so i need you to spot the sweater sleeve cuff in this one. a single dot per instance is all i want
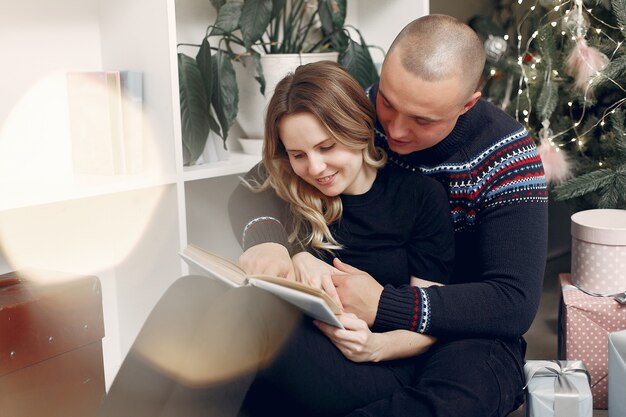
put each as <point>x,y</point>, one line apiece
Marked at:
<point>264,230</point>
<point>402,308</point>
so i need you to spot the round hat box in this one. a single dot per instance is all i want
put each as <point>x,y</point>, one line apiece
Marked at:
<point>599,250</point>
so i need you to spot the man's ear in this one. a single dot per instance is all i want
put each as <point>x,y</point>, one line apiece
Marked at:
<point>472,100</point>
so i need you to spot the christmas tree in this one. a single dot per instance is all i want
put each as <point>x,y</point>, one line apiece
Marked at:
<point>559,67</point>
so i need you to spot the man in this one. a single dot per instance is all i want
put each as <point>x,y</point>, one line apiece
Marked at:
<point>431,118</point>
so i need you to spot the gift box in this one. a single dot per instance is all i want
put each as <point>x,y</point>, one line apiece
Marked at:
<point>599,250</point>
<point>557,389</point>
<point>617,374</point>
<point>585,324</point>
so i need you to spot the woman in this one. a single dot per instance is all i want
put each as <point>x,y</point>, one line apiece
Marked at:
<point>319,157</point>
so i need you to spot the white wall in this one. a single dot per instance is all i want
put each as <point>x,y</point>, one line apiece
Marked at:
<point>381,21</point>
<point>462,10</point>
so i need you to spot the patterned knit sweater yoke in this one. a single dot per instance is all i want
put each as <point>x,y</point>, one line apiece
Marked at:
<point>487,160</point>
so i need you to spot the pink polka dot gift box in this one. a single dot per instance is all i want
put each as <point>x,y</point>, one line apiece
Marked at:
<point>585,322</point>
<point>599,250</point>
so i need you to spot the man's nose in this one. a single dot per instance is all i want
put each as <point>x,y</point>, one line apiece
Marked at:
<point>398,126</point>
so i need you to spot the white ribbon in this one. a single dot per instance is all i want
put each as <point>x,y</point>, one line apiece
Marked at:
<point>565,393</point>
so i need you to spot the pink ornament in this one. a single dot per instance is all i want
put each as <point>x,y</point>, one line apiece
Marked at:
<point>584,62</point>
<point>555,162</point>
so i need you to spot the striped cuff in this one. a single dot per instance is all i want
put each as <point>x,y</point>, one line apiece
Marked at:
<point>264,230</point>
<point>402,308</point>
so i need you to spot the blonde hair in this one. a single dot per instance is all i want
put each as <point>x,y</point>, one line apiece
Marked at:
<point>437,47</point>
<point>326,91</point>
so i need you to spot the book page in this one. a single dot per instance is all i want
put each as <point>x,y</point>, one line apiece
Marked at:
<point>311,305</point>
<point>303,288</point>
<point>214,265</point>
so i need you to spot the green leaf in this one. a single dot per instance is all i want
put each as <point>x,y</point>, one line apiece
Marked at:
<point>204,61</point>
<point>227,18</point>
<point>255,17</point>
<point>278,8</point>
<point>225,97</point>
<point>332,14</point>
<point>193,109</point>
<point>260,77</point>
<point>218,4</point>
<point>357,60</point>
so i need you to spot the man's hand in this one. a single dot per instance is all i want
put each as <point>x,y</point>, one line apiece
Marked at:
<point>316,273</point>
<point>358,291</point>
<point>267,259</point>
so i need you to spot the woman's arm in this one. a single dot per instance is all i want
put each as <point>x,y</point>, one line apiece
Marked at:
<point>359,344</point>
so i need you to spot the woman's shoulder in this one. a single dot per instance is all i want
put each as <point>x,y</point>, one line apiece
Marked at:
<point>407,180</point>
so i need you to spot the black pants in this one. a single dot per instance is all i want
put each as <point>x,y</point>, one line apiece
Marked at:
<point>208,350</point>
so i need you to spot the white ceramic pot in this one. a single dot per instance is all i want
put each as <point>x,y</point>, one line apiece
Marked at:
<point>252,104</point>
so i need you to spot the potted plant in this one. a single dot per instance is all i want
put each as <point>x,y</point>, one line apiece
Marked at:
<point>249,29</point>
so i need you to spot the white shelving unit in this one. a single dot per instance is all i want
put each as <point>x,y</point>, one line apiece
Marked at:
<point>126,229</point>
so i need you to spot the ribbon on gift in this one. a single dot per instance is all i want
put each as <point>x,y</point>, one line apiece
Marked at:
<point>565,393</point>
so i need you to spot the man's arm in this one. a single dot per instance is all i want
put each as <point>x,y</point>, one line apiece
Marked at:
<point>504,298</point>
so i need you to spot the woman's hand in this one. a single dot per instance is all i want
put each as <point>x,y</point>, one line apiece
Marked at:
<point>267,259</point>
<point>356,341</point>
<point>313,271</point>
<point>359,344</point>
<point>423,283</point>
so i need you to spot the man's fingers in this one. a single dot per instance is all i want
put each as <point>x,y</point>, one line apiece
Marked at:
<point>329,287</point>
<point>344,267</point>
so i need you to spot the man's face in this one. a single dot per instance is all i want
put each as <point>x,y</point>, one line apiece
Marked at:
<point>417,114</point>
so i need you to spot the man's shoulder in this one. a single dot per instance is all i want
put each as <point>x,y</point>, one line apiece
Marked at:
<point>494,122</point>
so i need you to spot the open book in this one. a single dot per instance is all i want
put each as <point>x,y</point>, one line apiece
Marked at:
<point>312,301</point>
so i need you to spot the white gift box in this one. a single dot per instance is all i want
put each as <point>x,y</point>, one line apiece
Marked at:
<point>617,374</point>
<point>557,389</point>
<point>599,251</point>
